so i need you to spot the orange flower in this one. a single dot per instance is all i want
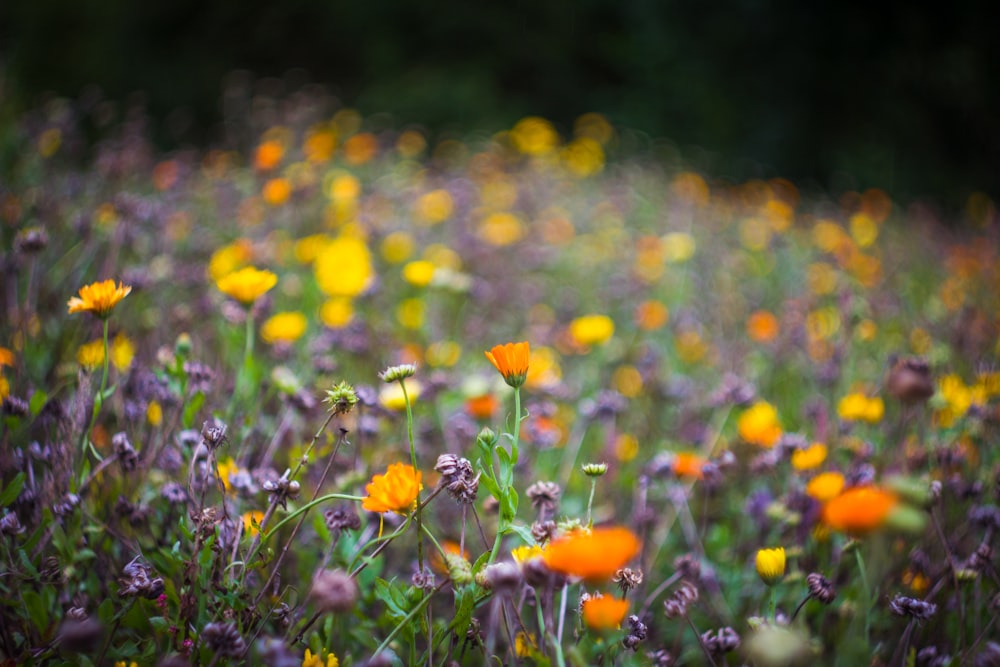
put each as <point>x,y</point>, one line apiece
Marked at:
<point>688,464</point>
<point>395,491</point>
<point>762,326</point>
<point>825,486</point>
<point>481,407</point>
<point>512,361</point>
<point>603,612</point>
<point>592,555</point>
<point>99,298</point>
<point>859,510</point>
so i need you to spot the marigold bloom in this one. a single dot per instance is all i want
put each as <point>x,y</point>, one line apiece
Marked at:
<point>6,357</point>
<point>285,327</point>
<point>762,326</point>
<point>604,612</point>
<point>688,464</point>
<point>810,457</point>
<point>592,555</point>
<point>526,552</point>
<point>122,352</point>
<point>771,565</point>
<point>825,486</point>
<point>310,659</point>
<point>276,191</point>
<point>251,521</point>
<point>395,491</point>
<point>247,284</point>
<point>98,298</point>
<point>859,510</point>
<point>481,407</point>
<point>592,329</point>
<point>511,360</point>
<point>759,425</point>
<point>91,355</point>
<point>859,407</point>
<point>344,267</point>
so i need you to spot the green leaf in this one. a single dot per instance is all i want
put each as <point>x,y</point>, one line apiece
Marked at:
<point>192,408</point>
<point>465,601</point>
<point>523,532</point>
<point>35,606</point>
<point>12,490</point>
<point>37,402</point>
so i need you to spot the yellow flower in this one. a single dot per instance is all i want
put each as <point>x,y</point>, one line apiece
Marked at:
<point>604,612</point>
<point>810,457</point>
<point>391,396</point>
<point>247,284</point>
<point>512,361</point>
<point>592,329</point>
<point>857,406</point>
<point>6,357</point>
<point>759,425</point>
<point>122,663</point>
<point>337,312</point>
<point>526,552</point>
<point>771,565</point>
<point>228,258</point>
<point>434,207</point>
<point>313,660</point>
<point>99,298</point>
<point>395,491</point>
<point>592,555</point>
<point>534,136</point>
<point>154,413</point>
<point>825,486</point>
<point>122,352</point>
<point>343,267</point>
<point>543,368</point>
<point>91,355</point>
<point>286,327</point>
<point>419,273</point>
<point>501,229</point>
<point>4,388</point>
<point>524,644</point>
<point>251,521</point>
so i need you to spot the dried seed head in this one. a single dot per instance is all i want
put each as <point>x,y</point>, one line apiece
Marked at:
<point>543,531</point>
<point>10,525</point>
<point>918,609</point>
<point>674,608</point>
<point>503,577</point>
<point>458,478</point>
<point>544,497</point>
<point>688,566</point>
<point>31,240</point>
<point>637,632</point>
<point>820,588</point>
<point>124,452</point>
<point>627,579</point>
<point>213,434</point>
<point>224,639</point>
<point>910,380</point>
<point>723,640</point>
<point>341,518</point>
<point>140,582</point>
<point>334,590</point>
<point>174,493</point>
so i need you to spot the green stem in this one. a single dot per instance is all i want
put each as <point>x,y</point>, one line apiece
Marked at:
<point>98,402</point>
<point>305,508</point>
<point>867,591</point>
<point>413,461</point>
<point>590,503</point>
<point>517,427</point>
<point>772,604</point>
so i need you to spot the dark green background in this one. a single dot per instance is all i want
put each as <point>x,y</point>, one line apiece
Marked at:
<point>898,95</point>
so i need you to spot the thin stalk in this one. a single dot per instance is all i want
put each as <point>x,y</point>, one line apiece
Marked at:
<point>86,444</point>
<point>413,461</point>
<point>867,592</point>
<point>409,617</point>
<point>590,503</point>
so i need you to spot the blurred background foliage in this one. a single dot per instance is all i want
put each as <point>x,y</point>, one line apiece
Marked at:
<point>837,95</point>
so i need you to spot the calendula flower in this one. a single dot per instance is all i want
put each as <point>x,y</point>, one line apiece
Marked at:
<point>91,355</point>
<point>859,510</point>
<point>859,407</point>
<point>592,329</point>
<point>6,357</point>
<point>395,491</point>
<point>397,373</point>
<point>759,425</point>
<point>592,555</point>
<point>825,486</point>
<point>771,565</point>
<point>98,298</point>
<point>688,464</point>
<point>247,284</point>
<point>251,521</point>
<point>511,360</point>
<point>285,327</point>
<point>604,612</point>
<point>122,352</point>
<point>526,552</point>
<point>810,457</point>
<point>311,659</point>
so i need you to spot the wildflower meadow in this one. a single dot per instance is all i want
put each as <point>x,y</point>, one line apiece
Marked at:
<point>352,394</point>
